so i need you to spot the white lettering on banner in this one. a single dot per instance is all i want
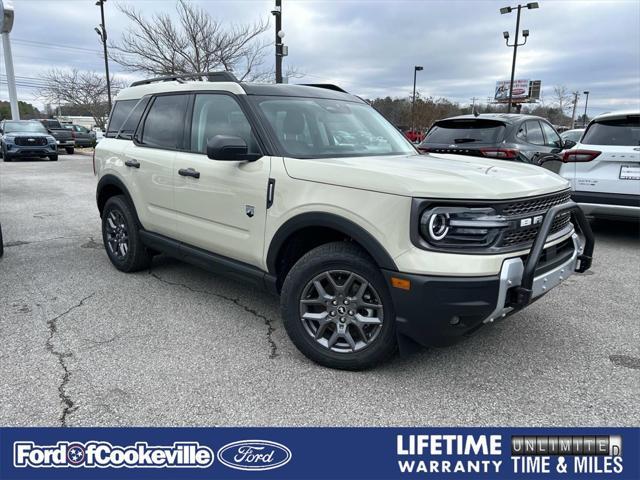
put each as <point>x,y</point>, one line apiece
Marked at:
<point>449,445</point>
<point>449,466</point>
<point>103,454</point>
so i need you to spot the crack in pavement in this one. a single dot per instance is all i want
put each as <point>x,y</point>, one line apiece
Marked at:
<point>18,243</point>
<point>267,321</point>
<point>65,399</point>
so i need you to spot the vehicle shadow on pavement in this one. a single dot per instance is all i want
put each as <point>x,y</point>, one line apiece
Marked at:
<point>612,229</point>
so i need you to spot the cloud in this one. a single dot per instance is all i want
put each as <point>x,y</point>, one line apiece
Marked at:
<point>370,47</point>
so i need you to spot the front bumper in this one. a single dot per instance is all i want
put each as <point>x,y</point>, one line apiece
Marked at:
<point>440,310</point>
<point>34,151</point>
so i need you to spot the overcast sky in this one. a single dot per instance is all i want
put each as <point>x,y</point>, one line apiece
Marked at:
<point>370,47</point>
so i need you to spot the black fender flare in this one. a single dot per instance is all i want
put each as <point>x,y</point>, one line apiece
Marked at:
<point>112,180</point>
<point>335,222</point>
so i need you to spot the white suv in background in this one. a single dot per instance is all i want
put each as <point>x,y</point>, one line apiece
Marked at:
<point>309,191</point>
<point>604,167</point>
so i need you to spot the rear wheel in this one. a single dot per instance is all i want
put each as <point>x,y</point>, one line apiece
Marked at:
<point>121,238</point>
<point>337,309</point>
<point>70,150</point>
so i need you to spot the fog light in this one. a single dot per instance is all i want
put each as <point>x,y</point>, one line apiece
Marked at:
<point>454,320</point>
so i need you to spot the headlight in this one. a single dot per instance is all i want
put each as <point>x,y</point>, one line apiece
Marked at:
<point>51,140</point>
<point>461,226</point>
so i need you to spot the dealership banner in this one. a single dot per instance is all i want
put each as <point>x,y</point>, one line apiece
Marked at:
<point>320,453</point>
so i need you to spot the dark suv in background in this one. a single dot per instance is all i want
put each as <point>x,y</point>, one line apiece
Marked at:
<point>524,138</point>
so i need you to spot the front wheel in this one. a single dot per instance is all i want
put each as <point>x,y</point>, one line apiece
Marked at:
<point>121,237</point>
<point>53,158</point>
<point>70,150</point>
<point>337,309</point>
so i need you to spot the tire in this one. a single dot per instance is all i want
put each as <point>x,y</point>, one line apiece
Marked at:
<point>70,150</point>
<point>5,155</point>
<point>119,226</point>
<point>341,261</point>
<point>53,158</point>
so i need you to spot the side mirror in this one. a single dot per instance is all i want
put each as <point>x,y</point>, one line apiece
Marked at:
<point>226,147</point>
<point>568,144</point>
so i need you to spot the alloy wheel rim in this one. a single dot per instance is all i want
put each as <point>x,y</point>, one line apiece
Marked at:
<point>117,234</point>
<point>341,311</point>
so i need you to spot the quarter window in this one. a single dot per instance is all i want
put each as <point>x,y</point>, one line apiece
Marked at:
<point>119,114</point>
<point>215,114</point>
<point>164,124</point>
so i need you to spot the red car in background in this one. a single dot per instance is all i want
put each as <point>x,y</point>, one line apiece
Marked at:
<point>414,136</point>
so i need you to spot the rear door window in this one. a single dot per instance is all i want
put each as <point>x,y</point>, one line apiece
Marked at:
<point>463,131</point>
<point>622,132</point>
<point>534,132</point>
<point>164,124</point>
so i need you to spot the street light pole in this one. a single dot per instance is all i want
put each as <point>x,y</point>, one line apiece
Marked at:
<point>277,12</point>
<point>586,102</point>
<point>416,69</point>
<point>513,63</point>
<point>103,37</point>
<point>525,34</point>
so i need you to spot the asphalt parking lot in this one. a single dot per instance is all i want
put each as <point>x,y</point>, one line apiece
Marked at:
<point>83,344</point>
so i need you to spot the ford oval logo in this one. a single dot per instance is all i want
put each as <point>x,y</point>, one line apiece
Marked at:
<point>254,455</point>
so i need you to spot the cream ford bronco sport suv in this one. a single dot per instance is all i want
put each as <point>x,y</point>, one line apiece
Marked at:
<point>308,191</point>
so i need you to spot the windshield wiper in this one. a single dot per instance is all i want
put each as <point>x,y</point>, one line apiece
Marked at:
<point>465,140</point>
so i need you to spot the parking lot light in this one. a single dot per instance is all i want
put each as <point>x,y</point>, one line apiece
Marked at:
<point>525,34</point>
<point>102,32</point>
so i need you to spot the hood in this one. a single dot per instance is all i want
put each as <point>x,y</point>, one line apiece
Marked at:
<point>27,134</point>
<point>430,176</point>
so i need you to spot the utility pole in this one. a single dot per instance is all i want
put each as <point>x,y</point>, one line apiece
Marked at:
<point>473,103</point>
<point>416,69</point>
<point>586,102</point>
<point>6,24</point>
<point>525,34</point>
<point>277,12</point>
<point>102,32</point>
<point>573,114</point>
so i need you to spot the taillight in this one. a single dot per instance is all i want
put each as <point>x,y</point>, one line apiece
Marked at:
<point>579,155</point>
<point>503,153</point>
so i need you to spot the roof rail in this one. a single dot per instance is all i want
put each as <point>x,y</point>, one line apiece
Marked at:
<point>327,86</point>
<point>211,77</point>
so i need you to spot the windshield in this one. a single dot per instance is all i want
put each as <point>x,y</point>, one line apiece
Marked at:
<point>19,127</point>
<point>465,131</point>
<point>323,128</point>
<point>623,132</point>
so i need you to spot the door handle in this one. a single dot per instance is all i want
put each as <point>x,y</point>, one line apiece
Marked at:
<point>189,172</point>
<point>132,163</point>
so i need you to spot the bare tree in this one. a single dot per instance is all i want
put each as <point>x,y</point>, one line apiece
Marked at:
<point>563,99</point>
<point>87,90</point>
<point>191,42</point>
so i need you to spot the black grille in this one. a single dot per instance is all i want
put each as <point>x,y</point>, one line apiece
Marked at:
<point>540,204</point>
<point>30,141</point>
<point>528,235</point>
